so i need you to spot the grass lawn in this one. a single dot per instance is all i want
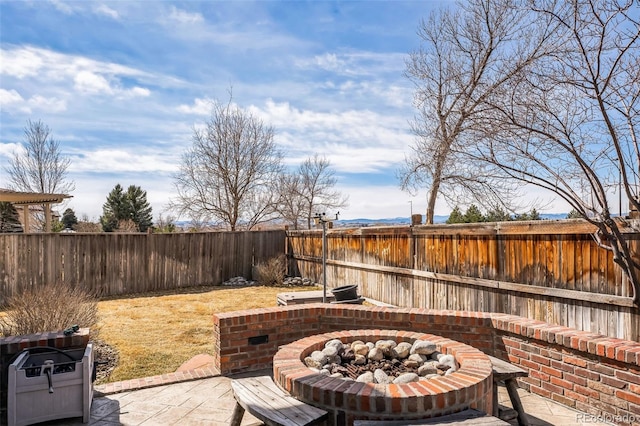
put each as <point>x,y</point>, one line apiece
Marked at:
<point>156,333</point>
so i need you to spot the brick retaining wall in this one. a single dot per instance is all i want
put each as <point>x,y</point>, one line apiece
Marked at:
<point>590,372</point>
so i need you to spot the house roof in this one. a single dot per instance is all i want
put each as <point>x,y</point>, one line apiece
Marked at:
<point>17,197</point>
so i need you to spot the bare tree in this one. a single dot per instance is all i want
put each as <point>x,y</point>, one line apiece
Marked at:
<point>291,203</point>
<point>41,167</point>
<point>317,180</point>
<point>465,56</point>
<point>309,190</point>
<point>569,122</point>
<point>228,173</point>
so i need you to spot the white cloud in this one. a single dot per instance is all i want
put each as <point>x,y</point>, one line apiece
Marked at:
<point>61,6</point>
<point>89,82</point>
<point>11,100</point>
<point>201,106</point>
<point>45,70</point>
<point>184,17</point>
<point>329,61</point>
<point>359,63</point>
<point>357,134</point>
<point>8,149</point>
<point>9,97</point>
<point>21,62</point>
<point>47,104</point>
<point>120,160</point>
<point>137,92</point>
<point>105,10</point>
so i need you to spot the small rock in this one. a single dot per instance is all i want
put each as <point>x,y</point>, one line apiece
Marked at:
<point>335,343</point>
<point>348,355</point>
<point>375,354</point>
<point>427,369</point>
<point>449,361</point>
<point>423,347</point>
<point>410,363</point>
<point>401,351</point>
<point>381,377</point>
<point>335,359</point>
<point>312,363</point>
<point>360,349</point>
<point>330,351</point>
<point>406,378</point>
<point>319,357</point>
<point>419,358</point>
<point>386,346</point>
<point>360,360</point>
<point>366,377</point>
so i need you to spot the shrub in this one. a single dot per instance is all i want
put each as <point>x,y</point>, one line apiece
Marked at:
<point>49,308</point>
<point>271,273</point>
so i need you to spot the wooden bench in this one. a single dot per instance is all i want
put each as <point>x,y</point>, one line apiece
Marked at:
<point>468,417</point>
<point>261,397</point>
<point>507,372</point>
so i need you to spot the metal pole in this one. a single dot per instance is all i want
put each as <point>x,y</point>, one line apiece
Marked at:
<point>324,261</point>
<point>620,190</point>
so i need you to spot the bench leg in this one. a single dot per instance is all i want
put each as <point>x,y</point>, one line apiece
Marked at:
<point>512,388</point>
<point>495,400</point>
<point>238,413</point>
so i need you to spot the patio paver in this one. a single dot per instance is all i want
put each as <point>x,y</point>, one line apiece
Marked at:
<point>210,402</point>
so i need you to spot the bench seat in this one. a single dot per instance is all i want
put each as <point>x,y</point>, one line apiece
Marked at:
<point>261,397</point>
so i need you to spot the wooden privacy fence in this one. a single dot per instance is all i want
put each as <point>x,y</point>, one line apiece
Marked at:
<point>115,263</point>
<point>549,271</point>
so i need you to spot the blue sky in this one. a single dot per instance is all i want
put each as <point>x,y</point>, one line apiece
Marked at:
<point>122,84</point>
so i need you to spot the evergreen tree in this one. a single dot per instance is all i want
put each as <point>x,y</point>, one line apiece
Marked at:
<point>497,214</point>
<point>131,205</point>
<point>532,215</point>
<point>69,219</point>
<point>456,216</point>
<point>113,210</point>
<point>139,208</point>
<point>473,215</point>
<point>9,220</point>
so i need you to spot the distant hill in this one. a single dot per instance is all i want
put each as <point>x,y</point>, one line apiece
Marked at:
<point>407,220</point>
<point>351,223</point>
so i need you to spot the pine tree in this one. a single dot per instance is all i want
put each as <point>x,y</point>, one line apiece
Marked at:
<point>69,219</point>
<point>456,216</point>
<point>113,210</point>
<point>497,214</point>
<point>139,208</point>
<point>473,215</point>
<point>9,220</point>
<point>122,206</point>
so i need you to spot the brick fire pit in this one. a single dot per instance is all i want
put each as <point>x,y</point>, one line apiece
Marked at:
<point>469,387</point>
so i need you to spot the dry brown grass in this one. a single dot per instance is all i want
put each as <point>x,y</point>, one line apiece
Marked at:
<point>156,333</point>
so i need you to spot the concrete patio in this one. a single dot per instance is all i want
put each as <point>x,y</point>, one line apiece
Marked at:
<point>209,401</point>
